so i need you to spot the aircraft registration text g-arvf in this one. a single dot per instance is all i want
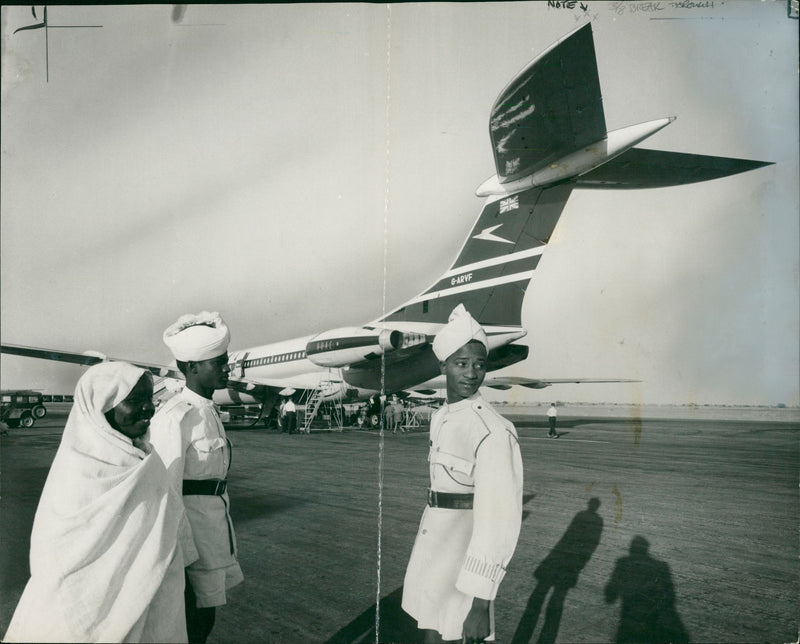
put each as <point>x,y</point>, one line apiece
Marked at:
<point>461,279</point>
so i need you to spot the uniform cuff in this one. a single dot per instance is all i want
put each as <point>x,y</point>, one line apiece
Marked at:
<point>480,578</point>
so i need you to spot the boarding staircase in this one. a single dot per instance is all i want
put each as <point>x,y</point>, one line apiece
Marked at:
<point>314,402</point>
<point>312,407</point>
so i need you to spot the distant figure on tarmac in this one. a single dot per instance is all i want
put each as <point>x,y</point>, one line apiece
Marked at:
<point>551,418</point>
<point>280,415</point>
<point>105,561</point>
<point>470,526</point>
<point>188,435</point>
<point>290,417</point>
<point>394,415</point>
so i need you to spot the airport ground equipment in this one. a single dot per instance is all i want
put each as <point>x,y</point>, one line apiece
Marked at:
<point>21,407</point>
<point>411,419</point>
<point>241,415</point>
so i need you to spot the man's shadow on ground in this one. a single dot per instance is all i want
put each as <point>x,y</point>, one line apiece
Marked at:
<point>644,585</point>
<point>559,571</point>
<point>395,624</point>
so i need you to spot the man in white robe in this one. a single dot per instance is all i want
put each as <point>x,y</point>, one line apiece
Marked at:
<point>105,560</point>
<point>470,527</point>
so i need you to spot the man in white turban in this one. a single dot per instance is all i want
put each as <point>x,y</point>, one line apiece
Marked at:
<point>105,561</point>
<point>470,526</point>
<point>188,434</point>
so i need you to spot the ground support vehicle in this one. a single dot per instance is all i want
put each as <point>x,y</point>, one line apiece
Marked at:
<point>21,408</point>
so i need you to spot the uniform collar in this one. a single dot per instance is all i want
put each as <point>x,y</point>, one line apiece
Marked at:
<point>463,404</point>
<point>197,399</point>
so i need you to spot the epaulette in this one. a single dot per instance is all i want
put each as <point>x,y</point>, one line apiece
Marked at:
<point>176,407</point>
<point>483,410</point>
<point>489,415</point>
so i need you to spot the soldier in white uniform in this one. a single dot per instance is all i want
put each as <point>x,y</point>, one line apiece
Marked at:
<point>188,435</point>
<point>470,527</point>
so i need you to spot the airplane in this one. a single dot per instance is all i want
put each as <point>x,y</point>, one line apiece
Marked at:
<point>549,137</point>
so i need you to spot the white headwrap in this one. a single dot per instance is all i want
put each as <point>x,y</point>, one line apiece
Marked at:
<point>105,564</point>
<point>198,337</point>
<point>105,386</point>
<point>460,329</point>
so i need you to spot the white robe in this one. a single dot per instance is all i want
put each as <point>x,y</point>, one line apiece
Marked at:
<point>105,562</point>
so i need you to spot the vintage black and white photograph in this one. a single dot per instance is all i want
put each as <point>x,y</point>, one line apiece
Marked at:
<point>400,322</point>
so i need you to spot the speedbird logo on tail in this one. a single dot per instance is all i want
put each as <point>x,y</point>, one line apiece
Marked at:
<point>486,234</point>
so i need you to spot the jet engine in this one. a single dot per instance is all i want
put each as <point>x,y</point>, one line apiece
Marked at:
<point>341,347</point>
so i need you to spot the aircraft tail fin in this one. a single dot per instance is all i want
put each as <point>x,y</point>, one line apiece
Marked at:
<point>550,109</point>
<point>495,263</point>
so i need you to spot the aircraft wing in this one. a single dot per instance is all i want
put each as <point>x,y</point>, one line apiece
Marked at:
<point>258,392</point>
<point>86,359</point>
<point>641,168</point>
<point>506,382</point>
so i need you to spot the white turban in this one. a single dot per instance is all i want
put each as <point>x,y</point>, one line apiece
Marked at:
<point>460,329</point>
<point>198,337</point>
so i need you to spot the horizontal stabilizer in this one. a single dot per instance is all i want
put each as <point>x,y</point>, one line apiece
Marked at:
<point>425,392</point>
<point>640,168</point>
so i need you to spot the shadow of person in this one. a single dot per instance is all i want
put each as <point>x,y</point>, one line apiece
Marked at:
<point>395,624</point>
<point>644,585</point>
<point>559,571</point>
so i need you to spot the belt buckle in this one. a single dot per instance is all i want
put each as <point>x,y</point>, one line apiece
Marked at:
<point>433,501</point>
<point>219,489</point>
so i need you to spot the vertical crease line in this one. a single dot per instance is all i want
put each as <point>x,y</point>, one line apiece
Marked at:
<point>46,48</point>
<point>383,311</point>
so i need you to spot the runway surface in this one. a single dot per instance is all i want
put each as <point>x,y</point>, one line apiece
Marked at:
<point>714,503</point>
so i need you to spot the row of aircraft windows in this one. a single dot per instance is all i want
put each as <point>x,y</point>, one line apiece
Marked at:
<point>283,357</point>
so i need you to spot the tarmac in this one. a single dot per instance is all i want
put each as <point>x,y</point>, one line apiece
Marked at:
<point>699,516</point>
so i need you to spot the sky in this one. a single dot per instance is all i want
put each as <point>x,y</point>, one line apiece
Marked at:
<point>301,167</point>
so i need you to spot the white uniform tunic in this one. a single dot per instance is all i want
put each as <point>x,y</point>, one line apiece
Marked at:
<point>188,435</point>
<point>462,554</point>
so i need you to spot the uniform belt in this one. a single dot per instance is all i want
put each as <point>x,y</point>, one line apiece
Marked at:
<point>206,487</point>
<point>450,500</point>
